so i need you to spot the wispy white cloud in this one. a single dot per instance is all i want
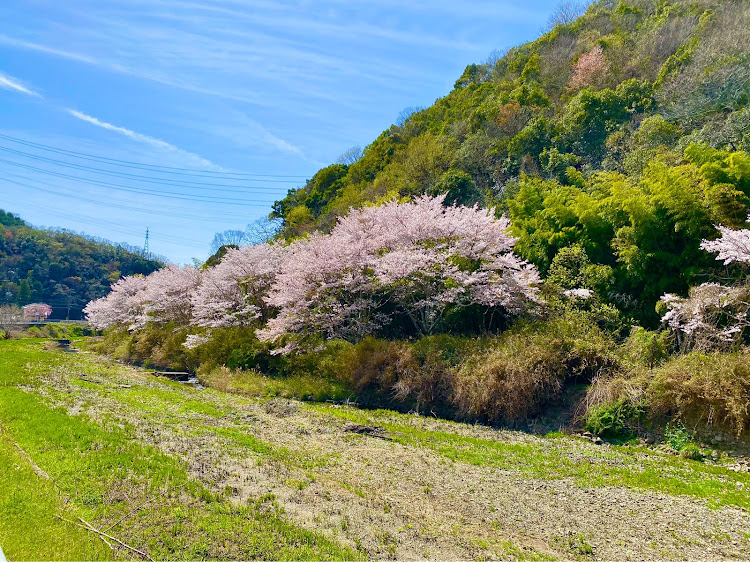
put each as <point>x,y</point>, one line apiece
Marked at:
<point>140,137</point>
<point>14,84</point>
<point>278,142</point>
<point>242,132</point>
<point>19,43</point>
<point>226,49</point>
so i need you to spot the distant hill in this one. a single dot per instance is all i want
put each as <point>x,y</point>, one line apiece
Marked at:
<point>63,269</point>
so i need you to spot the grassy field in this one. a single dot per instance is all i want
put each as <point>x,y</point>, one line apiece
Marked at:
<point>98,471</point>
<point>99,460</point>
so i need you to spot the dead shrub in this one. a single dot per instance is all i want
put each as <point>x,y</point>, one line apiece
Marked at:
<point>375,364</point>
<point>702,390</point>
<point>706,390</point>
<point>280,408</point>
<point>430,384</point>
<point>219,378</point>
<point>528,367</point>
<point>410,376</point>
<point>611,388</point>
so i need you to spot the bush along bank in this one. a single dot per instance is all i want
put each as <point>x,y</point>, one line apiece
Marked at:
<point>562,371</point>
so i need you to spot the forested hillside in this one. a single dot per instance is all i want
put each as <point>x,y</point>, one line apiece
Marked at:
<point>601,133</point>
<point>62,269</point>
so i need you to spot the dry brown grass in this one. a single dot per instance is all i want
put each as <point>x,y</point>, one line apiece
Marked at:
<point>376,364</point>
<point>707,391</point>
<point>528,369</point>
<point>507,378</point>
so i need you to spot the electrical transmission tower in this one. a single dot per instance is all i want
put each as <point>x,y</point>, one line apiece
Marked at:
<point>145,245</point>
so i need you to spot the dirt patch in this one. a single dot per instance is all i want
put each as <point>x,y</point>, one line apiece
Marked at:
<point>280,408</point>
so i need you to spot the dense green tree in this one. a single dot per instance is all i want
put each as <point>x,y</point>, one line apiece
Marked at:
<point>648,229</point>
<point>24,292</point>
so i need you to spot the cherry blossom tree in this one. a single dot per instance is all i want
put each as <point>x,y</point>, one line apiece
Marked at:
<point>36,311</point>
<point>417,259</point>
<point>123,306</point>
<point>134,301</point>
<point>733,246</point>
<point>232,292</point>
<point>10,314</point>
<point>167,294</point>
<point>590,69</point>
<point>713,315</point>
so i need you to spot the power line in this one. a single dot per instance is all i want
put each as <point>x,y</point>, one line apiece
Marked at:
<point>155,193</point>
<point>119,227</point>
<point>178,179</point>
<point>205,218</point>
<point>159,211</point>
<point>140,165</point>
<point>148,179</point>
<point>123,229</point>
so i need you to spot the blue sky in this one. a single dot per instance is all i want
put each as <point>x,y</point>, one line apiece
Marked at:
<point>181,115</point>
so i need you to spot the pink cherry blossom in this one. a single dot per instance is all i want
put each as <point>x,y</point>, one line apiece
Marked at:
<point>418,258</point>
<point>123,306</point>
<point>732,247</point>
<point>590,68</point>
<point>232,292</point>
<point>36,311</point>
<point>134,301</point>
<point>713,316</point>
<point>167,294</point>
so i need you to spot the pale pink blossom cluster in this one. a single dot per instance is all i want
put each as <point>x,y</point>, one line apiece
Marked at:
<point>579,293</point>
<point>418,260</point>
<point>232,292</point>
<point>167,294</point>
<point>712,316</point>
<point>195,340</point>
<point>732,247</point>
<point>123,306</point>
<point>36,311</point>
<point>134,301</point>
<point>589,69</point>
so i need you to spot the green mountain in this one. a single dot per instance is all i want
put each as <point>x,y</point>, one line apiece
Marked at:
<point>63,269</point>
<point>603,133</point>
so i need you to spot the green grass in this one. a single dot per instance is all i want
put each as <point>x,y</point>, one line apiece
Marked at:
<point>300,387</point>
<point>100,472</point>
<point>28,503</point>
<point>553,458</point>
<point>170,404</point>
<point>524,554</point>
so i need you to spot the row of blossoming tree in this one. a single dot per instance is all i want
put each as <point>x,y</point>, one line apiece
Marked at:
<point>414,262</point>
